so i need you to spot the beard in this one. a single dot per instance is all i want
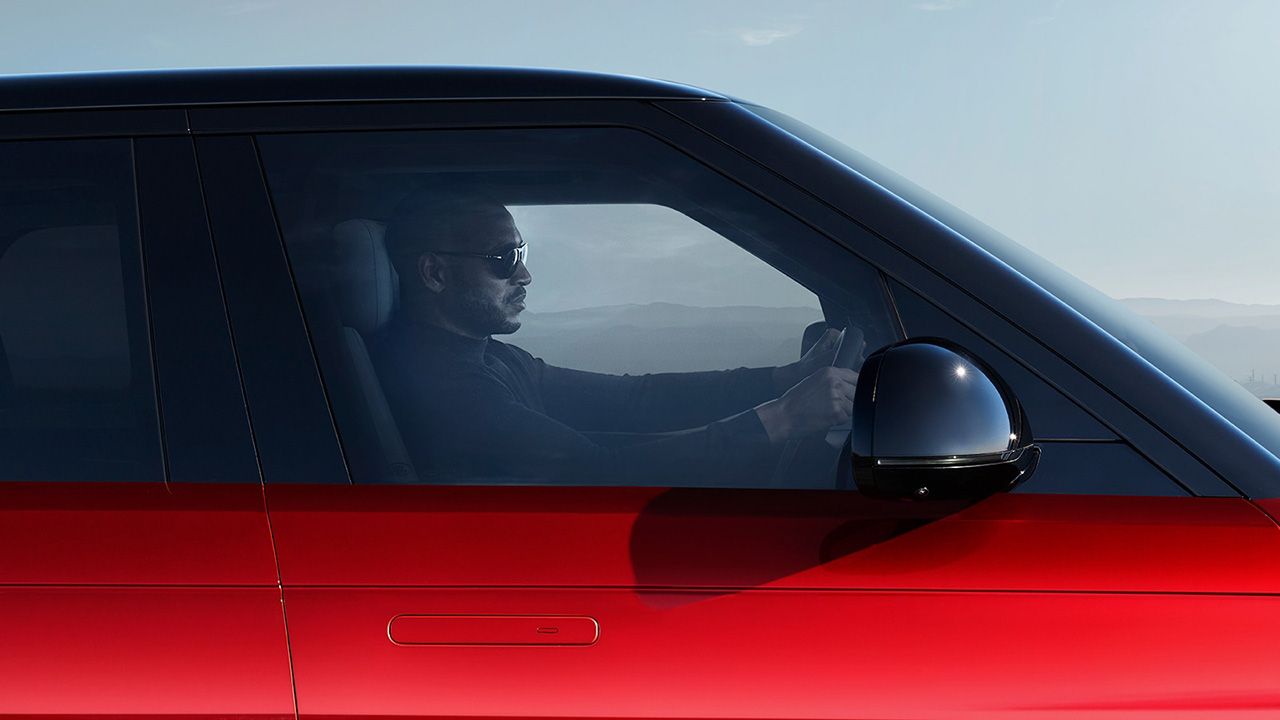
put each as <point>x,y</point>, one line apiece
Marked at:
<point>481,314</point>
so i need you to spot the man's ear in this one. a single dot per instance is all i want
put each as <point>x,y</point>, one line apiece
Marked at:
<point>431,272</point>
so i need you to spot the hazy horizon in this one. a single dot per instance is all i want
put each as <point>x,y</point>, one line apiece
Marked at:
<point>749,305</point>
<point>641,337</point>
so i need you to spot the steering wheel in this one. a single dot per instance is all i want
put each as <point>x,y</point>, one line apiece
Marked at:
<point>820,451</point>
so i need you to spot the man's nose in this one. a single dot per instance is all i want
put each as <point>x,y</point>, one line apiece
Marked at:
<point>521,275</point>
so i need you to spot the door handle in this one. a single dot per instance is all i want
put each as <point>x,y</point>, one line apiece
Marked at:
<point>552,630</point>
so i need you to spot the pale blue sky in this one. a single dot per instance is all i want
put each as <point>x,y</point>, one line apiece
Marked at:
<point>1135,143</point>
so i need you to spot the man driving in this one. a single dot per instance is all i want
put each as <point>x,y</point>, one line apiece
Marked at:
<point>473,408</point>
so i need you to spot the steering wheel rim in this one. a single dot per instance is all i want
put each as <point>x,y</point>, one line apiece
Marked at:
<point>850,354</point>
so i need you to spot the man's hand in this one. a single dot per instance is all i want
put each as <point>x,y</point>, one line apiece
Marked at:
<point>821,400</point>
<point>820,355</point>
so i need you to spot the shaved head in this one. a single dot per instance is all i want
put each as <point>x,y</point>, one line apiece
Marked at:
<point>447,221</point>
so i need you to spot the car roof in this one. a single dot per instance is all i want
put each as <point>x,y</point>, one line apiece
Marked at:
<point>158,88</point>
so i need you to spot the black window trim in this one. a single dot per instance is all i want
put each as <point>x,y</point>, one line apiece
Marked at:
<point>205,428</point>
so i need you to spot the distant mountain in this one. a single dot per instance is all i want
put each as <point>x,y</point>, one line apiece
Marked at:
<point>1208,308</point>
<point>1183,327</point>
<point>1241,352</point>
<point>660,314</point>
<point>1243,341</point>
<point>665,337</point>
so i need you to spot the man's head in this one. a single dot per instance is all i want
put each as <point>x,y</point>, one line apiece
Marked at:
<point>452,252</point>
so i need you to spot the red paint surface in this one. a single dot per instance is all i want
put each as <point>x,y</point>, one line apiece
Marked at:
<point>1270,506</point>
<point>131,533</point>
<point>442,536</point>
<point>784,604</point>
<point>143,652</point>
<point>807,654</point>
<point>133,599</point>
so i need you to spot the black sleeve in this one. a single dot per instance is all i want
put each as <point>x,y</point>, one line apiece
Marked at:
<point>649,403</point>
<point>493,433</point>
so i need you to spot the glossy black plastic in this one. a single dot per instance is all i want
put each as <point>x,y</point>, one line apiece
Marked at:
<point>206,430</point>
<point>1097,468</point>
<point>90,123</point>
<point>152,88</point>
<point>290,419</point>
<point>932,421</point>
<point>1055,415</point>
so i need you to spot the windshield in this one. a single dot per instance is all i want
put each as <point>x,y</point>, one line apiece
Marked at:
<point>1197,375</point>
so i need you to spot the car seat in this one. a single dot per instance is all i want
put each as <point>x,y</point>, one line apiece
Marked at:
<point>365,291</point>
<point>72,399</point>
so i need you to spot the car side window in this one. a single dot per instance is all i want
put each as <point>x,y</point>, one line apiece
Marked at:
<point>77,399</point>
<point>568,306</point>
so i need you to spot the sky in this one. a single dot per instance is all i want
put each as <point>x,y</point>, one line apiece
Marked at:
<point>690,265</point>
<point>1132,142</point>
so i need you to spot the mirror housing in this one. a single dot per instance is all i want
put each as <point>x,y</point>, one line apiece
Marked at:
<point>931,421</point>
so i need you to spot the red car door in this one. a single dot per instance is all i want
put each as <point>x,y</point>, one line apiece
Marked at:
<point>137,577</point>
<point>589,601</point>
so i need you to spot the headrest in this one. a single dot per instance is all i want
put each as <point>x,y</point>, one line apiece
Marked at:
<point>62,309</point>
<point>367,289</point>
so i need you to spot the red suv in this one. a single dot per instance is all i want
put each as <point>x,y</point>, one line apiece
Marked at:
<point>402,392</point>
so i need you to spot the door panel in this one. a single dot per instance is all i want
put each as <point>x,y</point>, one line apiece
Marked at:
<point>770,604</point>
<point>1271,506</point>
<point>137,600</point>
<point>143,652</point>
<point>814,654</point>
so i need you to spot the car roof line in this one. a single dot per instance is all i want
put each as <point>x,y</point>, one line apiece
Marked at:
<point>291,85</point>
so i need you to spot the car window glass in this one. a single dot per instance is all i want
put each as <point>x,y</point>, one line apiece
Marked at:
<point>1052,414</point>
<point>1079,455</point>
<point>656,278</point>
<point>1098,468</point>
<point>583,306</point>
<point>76,393</point>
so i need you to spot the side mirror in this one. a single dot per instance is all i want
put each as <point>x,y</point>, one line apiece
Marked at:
<point>931,421</point>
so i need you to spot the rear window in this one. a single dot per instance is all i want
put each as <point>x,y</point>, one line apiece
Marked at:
<point>76,391</point>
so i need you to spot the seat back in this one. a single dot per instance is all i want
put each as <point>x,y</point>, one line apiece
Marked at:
<point>365,291</point>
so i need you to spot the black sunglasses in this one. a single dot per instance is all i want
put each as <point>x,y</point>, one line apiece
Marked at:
<point>503,266</point>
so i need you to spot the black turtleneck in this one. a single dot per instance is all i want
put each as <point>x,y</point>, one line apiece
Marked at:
<point>482,410</point>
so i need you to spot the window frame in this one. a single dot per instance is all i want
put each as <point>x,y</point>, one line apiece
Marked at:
<point>711,151</point>
<point>1188,444</point>
<point>196,389</point>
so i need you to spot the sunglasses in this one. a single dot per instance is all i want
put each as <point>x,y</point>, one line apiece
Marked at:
<point>503,266</point>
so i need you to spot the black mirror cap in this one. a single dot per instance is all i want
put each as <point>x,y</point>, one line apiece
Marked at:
<point>933,422</point>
